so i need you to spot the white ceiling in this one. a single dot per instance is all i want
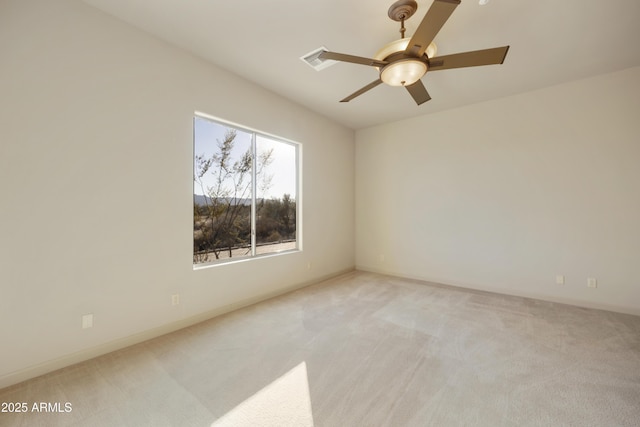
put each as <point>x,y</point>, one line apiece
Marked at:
<point>552,41</point>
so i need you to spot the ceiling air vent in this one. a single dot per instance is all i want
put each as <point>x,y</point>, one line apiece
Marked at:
<point>312,58</point>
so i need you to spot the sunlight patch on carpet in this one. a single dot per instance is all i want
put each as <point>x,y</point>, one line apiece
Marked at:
<point>284,402</point>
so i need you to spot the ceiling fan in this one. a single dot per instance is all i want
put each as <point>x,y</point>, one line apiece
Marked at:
<point>404,61</point>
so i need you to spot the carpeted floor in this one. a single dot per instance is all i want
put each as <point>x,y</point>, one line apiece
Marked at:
<point>361,350</point>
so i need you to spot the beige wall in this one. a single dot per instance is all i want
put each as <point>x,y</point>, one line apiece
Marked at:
<point>507,194</point>
<point>96,184</point>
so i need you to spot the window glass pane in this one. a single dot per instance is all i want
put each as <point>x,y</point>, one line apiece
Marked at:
<point>222,192</point>
<point>276,191</point>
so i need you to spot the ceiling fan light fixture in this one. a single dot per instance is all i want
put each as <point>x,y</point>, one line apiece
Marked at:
<point>404,72</point>
<point>403,62</point>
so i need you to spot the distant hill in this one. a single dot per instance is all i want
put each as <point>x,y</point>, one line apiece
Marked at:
<point>201,200</point>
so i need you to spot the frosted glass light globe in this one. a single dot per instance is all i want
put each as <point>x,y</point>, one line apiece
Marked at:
<point>404,72</point>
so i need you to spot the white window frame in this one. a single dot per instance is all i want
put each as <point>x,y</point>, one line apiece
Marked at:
<point>298,196</point>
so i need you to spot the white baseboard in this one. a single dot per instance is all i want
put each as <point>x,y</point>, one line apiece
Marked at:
<point>549,298</point>
<point>30,372</point>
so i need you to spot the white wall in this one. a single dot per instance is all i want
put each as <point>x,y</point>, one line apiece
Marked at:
<point>507,194</point>
<point>96,186</point>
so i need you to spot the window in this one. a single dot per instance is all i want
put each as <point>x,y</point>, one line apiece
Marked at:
<point>245,193</point>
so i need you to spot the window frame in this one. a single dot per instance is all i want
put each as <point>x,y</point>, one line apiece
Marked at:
<point>298,190</point>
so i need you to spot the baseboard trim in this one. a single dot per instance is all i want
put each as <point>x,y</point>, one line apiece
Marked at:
<point>15,378</point>
<point>439,281</point>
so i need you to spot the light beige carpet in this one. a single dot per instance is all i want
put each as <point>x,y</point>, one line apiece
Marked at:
<point>363,350</point>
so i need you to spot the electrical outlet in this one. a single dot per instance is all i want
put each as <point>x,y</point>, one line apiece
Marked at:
<point>175,299</point>
<point>592,282</point>
<point>309,265</point>
<point>87,321</point>
<point>560,279</point>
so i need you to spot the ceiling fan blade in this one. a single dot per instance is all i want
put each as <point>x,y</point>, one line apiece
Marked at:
<point>433,20</point>
<point>418,92</point>
<point>474,58</point>
<point>361,91</point>
<point>352,58</point>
